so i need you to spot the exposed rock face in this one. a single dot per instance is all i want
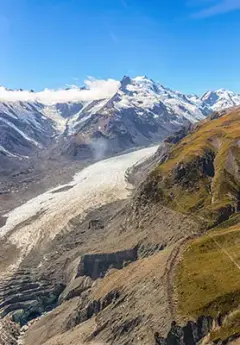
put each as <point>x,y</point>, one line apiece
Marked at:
<point>96,265</point>
<point>95,224</point>
<point>88,309</point>
<point>189,174</point>
<point>190,334</point>
<point>75,288</point>
<point>180,134</point>
<point>69,109</point>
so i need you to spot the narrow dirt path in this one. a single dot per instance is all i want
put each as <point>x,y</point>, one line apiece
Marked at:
<point>170,271</point>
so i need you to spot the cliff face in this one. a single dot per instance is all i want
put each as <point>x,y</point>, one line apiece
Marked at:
<point>96,265</point>
<point>190,334</point>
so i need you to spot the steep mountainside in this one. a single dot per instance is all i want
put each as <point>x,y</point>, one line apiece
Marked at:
<point>221,99</point>
<point>199,177</point>
<point>29,126</point>
<point>23,128</point>
<point>172,275</point>
<point>201,174</point>
<point>30,159</point>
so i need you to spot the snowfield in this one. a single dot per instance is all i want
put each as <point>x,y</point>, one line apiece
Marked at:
<point>43,217</point>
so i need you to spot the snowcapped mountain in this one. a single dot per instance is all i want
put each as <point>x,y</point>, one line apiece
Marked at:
<point>29,126</point>
<point>133,112</point>
<point>147,97</point>
<point>139,113</point>
<point>220,99</point>
<point>23,127</point>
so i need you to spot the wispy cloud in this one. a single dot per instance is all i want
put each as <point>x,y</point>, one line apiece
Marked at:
<point>217,7</point>
<point>95,89</point>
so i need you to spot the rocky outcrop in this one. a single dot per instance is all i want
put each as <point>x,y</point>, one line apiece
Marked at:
<point>95,224</point>
<point>96,265</point>
<point>179,135</point>
<point>190,334</point>
<point>75,288</point>
<point>88,309</point>
<point>188,174</point>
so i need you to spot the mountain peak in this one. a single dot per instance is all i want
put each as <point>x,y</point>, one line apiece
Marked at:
<point>141,78</point>
<point>221,99</point>
<point>125,81</point>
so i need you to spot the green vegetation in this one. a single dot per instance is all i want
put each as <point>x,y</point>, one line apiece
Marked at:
<point>201,176</point>
<point>208,277</point>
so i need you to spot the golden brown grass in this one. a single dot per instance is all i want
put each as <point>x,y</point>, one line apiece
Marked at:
<point>208,277</point>
<point>205,196</point>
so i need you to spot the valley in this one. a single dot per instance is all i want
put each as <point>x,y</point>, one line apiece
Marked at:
<point>119,219</point>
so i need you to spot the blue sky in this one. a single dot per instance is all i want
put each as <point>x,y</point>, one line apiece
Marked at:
<point>188,45</point>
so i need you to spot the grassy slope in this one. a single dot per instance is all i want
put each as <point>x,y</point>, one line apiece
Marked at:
<point>195,192</point>
<point>208,277</point>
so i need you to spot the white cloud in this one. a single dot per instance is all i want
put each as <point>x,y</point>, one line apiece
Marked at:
<point>220,7</point>
<point>95,89</point>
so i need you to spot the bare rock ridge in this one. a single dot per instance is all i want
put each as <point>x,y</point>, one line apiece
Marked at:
<point>86,310</point>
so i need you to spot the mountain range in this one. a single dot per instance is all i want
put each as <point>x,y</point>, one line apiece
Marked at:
<point>39,138</point>
<point>89,262</point>
<point>140,112</point>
